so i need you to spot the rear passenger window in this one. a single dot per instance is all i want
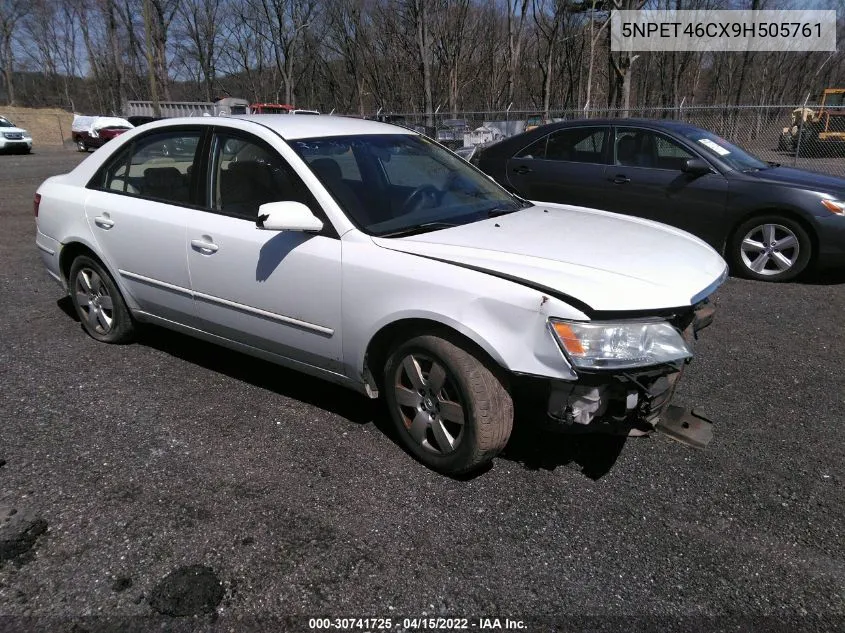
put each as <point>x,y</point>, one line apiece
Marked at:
<point>247,173</point>
<point>161,166</point>
<point>114,177</point>
<point>578,145</point>
<point>156,166</point>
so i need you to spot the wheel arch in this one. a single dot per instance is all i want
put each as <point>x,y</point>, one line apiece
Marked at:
<point>786,212</point>
<point>385,338</point>
<point>73,249</point>
<point>76,247</point>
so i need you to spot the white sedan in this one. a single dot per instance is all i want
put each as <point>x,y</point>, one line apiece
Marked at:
<point>370,256</point>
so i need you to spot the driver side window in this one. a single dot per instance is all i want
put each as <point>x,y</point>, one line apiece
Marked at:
<point>246,173</point>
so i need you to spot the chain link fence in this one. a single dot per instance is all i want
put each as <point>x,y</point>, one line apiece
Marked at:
<point>803,136</point>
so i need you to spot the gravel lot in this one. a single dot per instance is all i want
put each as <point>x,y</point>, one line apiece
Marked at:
<point>282,498</point>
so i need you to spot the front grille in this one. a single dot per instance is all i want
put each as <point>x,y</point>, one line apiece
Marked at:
<point>13,136</point>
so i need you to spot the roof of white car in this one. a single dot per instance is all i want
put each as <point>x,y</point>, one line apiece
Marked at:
<point>293,126</point>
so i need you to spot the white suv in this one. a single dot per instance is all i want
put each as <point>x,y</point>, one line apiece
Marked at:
<point>14,139</point>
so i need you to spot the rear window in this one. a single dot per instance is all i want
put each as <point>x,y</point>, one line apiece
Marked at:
<point>578,145</point>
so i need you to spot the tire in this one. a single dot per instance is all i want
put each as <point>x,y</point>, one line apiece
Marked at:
<point>91,285</point>
<point>811,147</point>
<point>770,248</point>
<point>81,146</point>
<point>428,419</point>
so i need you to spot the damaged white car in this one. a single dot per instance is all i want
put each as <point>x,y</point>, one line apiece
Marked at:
<point>368,255</point>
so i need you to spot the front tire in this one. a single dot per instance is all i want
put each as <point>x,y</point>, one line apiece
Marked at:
<point>770,248</point>
<point>81,146</point>
<point>98,302</point>
<point>449,409</point>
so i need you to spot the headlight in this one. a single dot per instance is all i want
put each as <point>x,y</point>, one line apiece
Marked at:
<point>834,206</point>
<point>26,134</point>
<point>619,345</point>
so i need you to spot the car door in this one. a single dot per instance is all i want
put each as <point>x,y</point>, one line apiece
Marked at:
<point>566,166</point>
<point>138,210</point>
<point>646,180</point>
<point>274,290</point>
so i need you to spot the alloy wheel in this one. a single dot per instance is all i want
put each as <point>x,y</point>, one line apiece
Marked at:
<point>429,404</point>
<point>770,249</point>
<point>94,301</point>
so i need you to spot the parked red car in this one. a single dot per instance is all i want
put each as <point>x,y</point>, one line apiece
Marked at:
<point>95,131</point>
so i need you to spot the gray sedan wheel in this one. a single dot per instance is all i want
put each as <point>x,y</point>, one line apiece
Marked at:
<point>449,409</point>
<point>98,302</point>
<point>770,248</point>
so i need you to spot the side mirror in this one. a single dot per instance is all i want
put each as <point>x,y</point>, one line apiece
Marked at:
<point>696,167</point>
<point>287,216</point>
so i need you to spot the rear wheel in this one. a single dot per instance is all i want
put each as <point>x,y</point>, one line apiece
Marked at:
<point>98,302</point>
<point>770,248</point>
<point>449,409</point>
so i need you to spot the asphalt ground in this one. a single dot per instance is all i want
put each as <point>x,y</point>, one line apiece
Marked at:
<point>172,485</point>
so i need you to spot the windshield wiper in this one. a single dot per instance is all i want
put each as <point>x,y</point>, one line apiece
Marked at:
<point>494,213</point>
<point>416,229</point>
<point>504,209</point>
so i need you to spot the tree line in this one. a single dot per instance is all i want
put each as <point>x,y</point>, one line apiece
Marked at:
<point>359,56</point>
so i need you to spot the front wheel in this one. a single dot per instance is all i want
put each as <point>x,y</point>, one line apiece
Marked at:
<point>449,409</point>
<point>770,248</point>
<point>98,302</point>
<point>81,146</point>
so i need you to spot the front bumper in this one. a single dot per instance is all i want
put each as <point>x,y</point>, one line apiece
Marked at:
<point>631,401</point>
<point>8,145</point>
<point>831,240</point>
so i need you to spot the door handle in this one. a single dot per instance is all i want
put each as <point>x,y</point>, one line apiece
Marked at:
<point>204,245</point>
<point>620,179</point>
<point>522,169</point>
<point>103,222</point>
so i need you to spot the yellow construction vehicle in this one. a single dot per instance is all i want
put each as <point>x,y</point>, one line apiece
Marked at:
<point>820,130</point>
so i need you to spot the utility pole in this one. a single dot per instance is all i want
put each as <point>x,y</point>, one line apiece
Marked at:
<point>150,65</point>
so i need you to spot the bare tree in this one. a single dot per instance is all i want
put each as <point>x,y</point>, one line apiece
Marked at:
<point>11,14</point>
<point>200,33</point>
<point>619,89</point>
<point>453,25</point>
<point>280,25</point>
<point>517,10</point>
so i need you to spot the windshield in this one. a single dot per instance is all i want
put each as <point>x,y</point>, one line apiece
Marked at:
<point>5,123</point>
<point>737,158</point>
<point>834,99</point>
<point>402,183</point>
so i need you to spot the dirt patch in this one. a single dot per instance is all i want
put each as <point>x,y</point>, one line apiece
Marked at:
<point>18,534</point>
<point>192,590</point>
<point>48,126</point>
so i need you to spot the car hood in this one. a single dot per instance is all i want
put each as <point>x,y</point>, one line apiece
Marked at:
<point>801,178</point>
<point>608,262</point>
<point>12,129</point>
